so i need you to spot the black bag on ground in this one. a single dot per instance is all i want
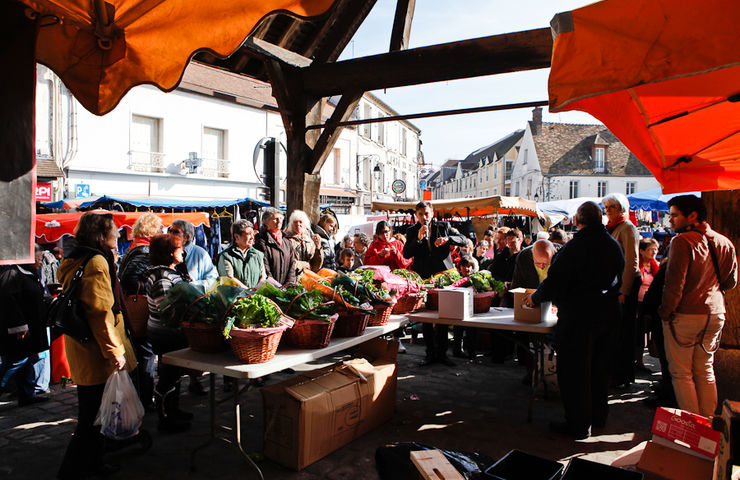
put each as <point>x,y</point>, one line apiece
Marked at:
<point>393,461</point>
<point>64,311</point>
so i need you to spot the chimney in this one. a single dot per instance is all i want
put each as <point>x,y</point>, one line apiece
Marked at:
<point>536,120</point>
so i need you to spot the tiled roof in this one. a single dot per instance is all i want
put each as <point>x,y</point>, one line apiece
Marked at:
<point>498,148</point>
<point>566,149</point>
<point>47,168</point>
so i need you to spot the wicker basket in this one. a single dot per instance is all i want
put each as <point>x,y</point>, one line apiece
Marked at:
<point>250,346</point>
<point>482,302</point>
<point>204,337</point>
<point>432,299</point>
<point>351,324</point>
<point>311,333</point>
<point>408,303</point>
<point>382,315</point>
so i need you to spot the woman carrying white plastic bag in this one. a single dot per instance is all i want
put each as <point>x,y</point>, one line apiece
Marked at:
<point>121,411</point>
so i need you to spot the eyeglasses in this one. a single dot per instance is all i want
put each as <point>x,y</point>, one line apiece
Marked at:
<point>612,207</point>
<point>386,231</point>
<point>174,231</point>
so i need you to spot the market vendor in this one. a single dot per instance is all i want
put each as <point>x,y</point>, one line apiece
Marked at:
<point>241,261</point>
<point>583,281</point>
<point>279,257</point>
<point>428,244</point>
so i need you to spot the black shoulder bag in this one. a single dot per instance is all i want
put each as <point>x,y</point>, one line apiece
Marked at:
<point>65,313</point>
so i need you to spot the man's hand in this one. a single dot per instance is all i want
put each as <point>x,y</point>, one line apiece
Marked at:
<point>440,241</point>
<point>119,362</point>
<point>528,301</point>
<point>423,232</point>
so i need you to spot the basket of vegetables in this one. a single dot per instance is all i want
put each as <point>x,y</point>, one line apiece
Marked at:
<point>414,297</point>
<point>438,282</point>
<point>314,318</point>
<point>254,326</point>
<point>486,289</point>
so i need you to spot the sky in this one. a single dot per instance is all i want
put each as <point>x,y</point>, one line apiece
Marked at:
<point>443,21</point>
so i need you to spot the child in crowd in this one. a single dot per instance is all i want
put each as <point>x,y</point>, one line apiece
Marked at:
<point>346,260</point>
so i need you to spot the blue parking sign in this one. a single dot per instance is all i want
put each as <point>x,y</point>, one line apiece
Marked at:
<point>82,190</point>
<point>422,184</point>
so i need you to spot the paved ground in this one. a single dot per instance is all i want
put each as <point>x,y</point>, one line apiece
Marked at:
<point>475,406</point>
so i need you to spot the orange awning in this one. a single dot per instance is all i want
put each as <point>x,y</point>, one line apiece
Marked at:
<point>469,206</point>
<point>102,49</point>
<point>664,77</point>
<point>50,227</point>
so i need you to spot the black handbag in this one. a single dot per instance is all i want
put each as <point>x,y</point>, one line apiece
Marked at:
<point>65,313</point>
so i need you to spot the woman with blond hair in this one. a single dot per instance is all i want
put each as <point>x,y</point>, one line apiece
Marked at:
<point>306,248</point>
<point>131,273</point>
<point>99,300</point>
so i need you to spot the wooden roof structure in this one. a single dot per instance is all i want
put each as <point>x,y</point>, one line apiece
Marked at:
<point>298,57</point>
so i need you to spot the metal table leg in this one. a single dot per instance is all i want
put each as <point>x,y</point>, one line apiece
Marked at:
<point>237,425</point>
<point>538,372</point>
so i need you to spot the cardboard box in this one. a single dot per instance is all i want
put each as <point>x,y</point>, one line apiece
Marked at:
<point>311,415</point>
<point>456,303</point>
<point>667,463</point>
<point>725,468</point>
<point>525,314</point>
<point>687,429</point>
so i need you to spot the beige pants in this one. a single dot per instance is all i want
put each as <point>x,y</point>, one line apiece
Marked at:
<point>691,367</point>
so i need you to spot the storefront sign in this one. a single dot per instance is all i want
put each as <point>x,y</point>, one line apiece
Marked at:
<point>82,190</point>
<point>43,192</point>
<point>398,186</point>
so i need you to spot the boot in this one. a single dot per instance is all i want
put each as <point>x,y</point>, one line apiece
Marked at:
<point>168,422</point>
<point>177,413</point>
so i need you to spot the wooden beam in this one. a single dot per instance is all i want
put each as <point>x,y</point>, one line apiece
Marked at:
<point>439,113</point>
<point>332,129</point>
<point>275,52</point>
<point>345,18</point>
<point>511,52</point>
<point>402,25</point>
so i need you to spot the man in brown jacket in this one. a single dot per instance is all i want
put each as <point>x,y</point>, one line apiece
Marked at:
<point>701,266</point>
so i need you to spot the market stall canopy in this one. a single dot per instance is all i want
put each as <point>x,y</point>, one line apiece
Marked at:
<point>50,227</point>
<point>469,206</point>
<point>173,203</point>
<point>664,77</point>
<point>558,210</point>
<point>654,199</point>
<point>101,49</point>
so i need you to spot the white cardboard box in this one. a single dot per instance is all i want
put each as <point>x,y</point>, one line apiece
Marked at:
<point>456,303</point>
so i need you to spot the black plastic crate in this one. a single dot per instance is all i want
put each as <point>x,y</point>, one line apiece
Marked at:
<point>518,465</point>
<point>580,469</point>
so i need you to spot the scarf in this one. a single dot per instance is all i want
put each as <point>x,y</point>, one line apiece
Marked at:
<point>139,241</point>
<point>277,235</point>
<point>613,224</point>
<point>82,251</point>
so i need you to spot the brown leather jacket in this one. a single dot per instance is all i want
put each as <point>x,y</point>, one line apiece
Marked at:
<point>691,285</point>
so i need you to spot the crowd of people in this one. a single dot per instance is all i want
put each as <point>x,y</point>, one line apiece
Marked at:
<point>613,299</point>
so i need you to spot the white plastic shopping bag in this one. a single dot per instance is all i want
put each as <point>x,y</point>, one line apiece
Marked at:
<point>121,412</point>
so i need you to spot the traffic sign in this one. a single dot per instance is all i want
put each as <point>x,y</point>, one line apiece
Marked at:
<point>422,184</point>
<point>82,190</point>
<point>398,186</point>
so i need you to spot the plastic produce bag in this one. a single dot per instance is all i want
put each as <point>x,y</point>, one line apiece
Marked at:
<point>121,413</point>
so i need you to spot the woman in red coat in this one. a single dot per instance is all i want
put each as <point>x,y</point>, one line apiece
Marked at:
<point>385,250</point>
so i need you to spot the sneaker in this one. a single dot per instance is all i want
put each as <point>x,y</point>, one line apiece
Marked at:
<point>401,348</point>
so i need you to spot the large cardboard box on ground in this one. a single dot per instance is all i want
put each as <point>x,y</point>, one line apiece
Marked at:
<point>456,303</point>
<point>659,462</point>
<point>311,415</point>
<point>525,314</point>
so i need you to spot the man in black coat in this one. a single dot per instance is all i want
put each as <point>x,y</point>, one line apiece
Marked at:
<point>22,332</point>
<point>428,243</point>
<point>583,281</point>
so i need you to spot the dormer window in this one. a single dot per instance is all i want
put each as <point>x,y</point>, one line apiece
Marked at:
<point>599,159</point>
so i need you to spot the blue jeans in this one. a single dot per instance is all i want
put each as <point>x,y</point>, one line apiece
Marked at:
<point>23,371</point>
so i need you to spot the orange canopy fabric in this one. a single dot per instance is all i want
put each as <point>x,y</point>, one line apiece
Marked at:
<point>664,77</point>
<point>469,206</point>
<point>50,227</point>
<point>102,49</point>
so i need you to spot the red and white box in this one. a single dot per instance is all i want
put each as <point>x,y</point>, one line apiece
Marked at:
<point>688,430</point>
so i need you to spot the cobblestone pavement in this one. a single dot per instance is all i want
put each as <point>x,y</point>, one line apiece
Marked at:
<point>474,406</point>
